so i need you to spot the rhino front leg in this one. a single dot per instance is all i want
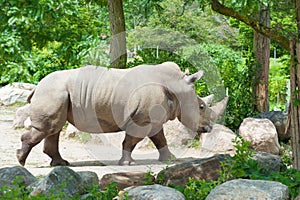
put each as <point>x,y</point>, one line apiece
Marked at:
<point>128,145</point>
<point>160,143</point>
<point>29,140</point>
<point>51,149</point>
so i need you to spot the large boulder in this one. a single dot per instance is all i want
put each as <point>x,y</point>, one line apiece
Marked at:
<point>269,162</point>
<point>205,168</point>
<point>15,92</point>
<point>153,192</point>
<point>61,180</point>
<point>241,189</point>
<point>218,141</point>
<point>279,119</point>
<point>16,176</point>
<point>177,134</point>
<point>261,133</point>
<point>89,179</point>
<point>126,179</point>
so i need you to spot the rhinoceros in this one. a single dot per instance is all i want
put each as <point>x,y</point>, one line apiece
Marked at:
<point>102,100</point>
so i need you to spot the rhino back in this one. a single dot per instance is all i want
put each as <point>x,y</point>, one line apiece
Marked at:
<point>105,100</point>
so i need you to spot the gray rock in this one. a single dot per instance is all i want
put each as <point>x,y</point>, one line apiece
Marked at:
<point>153,192</point>
<point>177,134</point>
<point>15,92</point>
<point>279,119</point>
<point>89,179</point>
<point>61,180</point>
<point>125,179</point>
<point>242,189</point>
<point>261,133</point>
<point>205,168</point>
<point>218,141</point>
<point>22,114</point>
<point>16,176</point>
<point>270,162</point>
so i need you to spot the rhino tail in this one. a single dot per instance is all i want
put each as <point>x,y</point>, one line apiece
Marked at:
<point>30,96</point>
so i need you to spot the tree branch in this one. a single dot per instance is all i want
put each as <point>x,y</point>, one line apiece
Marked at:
<point>252,22</point>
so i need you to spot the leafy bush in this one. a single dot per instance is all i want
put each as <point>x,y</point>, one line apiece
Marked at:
<point>242,165</point>
<point>198,189</point>
<point>39,37</point>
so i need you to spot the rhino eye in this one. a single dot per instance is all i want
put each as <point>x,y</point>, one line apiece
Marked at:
<point>202,106</point>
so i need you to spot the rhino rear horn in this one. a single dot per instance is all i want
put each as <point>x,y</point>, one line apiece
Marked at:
<point>218,109</point>
<point>186,72</point>
<point>193,77</point>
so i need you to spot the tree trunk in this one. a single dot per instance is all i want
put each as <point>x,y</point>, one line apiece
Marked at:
<point>118,54</point>
<point>295,66</point>
<point>261,48</point>
<point>295,91</point>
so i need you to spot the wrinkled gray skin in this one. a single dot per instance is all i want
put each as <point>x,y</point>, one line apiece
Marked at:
<point>99,100</point>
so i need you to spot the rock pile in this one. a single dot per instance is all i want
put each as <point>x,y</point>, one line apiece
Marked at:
<point>69,184</point>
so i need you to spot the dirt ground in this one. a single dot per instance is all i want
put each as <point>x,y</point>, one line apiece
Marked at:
<point>98,153</point>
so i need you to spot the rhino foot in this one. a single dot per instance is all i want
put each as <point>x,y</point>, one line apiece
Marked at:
<point>126,158</point>
<point>126,162</point>
<point>60,162</point>
<point>165,154</point>
<point>20,156</point>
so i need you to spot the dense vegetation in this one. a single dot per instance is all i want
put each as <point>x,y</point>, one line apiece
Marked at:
<point>39,37</point>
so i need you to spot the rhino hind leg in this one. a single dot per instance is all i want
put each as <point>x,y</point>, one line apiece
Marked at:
<point>29,140</point>
<point>160,143</point>
<point>128,145</point>
<point>51,149</point>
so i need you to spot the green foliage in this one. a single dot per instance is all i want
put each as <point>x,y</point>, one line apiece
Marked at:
<point>186,17</point>
<point>16,190</point>
<point>39,37</point>
<point>241,165</point>
<point>109,193</point>
<point>98,56</point>
<point>237,77</point>
<point>198,189</point>
<point>278,82</point>
<point>149,178</point>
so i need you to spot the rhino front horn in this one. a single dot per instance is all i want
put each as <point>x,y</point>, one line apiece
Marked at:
<point>218,109</point>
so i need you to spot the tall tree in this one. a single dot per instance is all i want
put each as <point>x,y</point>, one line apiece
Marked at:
<point>118,54</point>
<point>261,48</point>
<point>288,39</point>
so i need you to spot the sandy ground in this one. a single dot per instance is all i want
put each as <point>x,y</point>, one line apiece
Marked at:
<point>100,154</point>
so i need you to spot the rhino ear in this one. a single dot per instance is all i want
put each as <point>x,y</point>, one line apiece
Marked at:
<point>194,77</point>
<point>218,109</point>
<point>208,99</point>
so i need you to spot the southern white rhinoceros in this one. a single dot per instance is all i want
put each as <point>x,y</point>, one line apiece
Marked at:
<point>98,100</point>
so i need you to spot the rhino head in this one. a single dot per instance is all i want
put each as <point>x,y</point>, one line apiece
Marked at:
<point>195,112</point>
